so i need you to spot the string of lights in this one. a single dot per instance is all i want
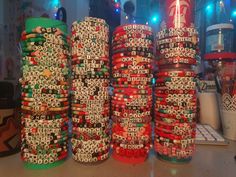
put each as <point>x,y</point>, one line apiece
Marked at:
<point>131,17</point>
<point>209,7</point>
<point>117,5</point>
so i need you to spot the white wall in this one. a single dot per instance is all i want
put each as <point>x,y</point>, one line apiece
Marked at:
<point>76,10</point>
<point>1,11</point>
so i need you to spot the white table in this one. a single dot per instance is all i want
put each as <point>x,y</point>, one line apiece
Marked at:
<point>209,161</point>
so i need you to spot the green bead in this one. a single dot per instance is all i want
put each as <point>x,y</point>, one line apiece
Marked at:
<point>58,116</point>
<point>49,49</point>
<point>94,39</point>
<point>24,62</point>
<point>139,125</point>
<point>105,70</point>
<point>60,141</point>
<point>64,134</point>
<point>36,86</point>
<point>44,151</point>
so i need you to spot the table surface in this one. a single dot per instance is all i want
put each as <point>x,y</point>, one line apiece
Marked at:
<point>208,161</point>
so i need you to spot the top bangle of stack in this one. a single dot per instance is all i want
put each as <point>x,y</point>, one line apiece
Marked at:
<point>172,32</point>
<point>132,27</point>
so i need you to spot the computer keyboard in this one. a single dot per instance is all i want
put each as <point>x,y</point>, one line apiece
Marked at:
<point>205,134</point>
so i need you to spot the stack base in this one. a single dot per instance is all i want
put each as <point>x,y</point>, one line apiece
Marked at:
<point>91,163</point>
<point>173,160</point>
<point>129,160</point>
<point>42,166</point>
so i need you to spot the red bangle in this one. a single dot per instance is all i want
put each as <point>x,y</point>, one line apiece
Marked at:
<point>117,106</point>
<point>129,54</point>
<point>148,92</point>
<point>129,34</point>
<point>122,46</point>
<point>165,105</point>
<point>177,60</point>
<point>127,66</point>
<point>128,27</point>
<point>194,104</point>
<point>166,91</point>
<point>193,96</point>
<point>134,34</point>
<point>173,120</point>
<point>167,36</point>
<point>122,101</point>
<point>132,86</point>
<point>49,113</point>
<point>140,69</point>
<point>131,110</point>
<point>130,153</point>
<point>147,88</point>
<point>173,116</point>
<point>171,136</point>
<point>132,75</point>
<point>165,125</point>
<point>175,73</point>
<point>136,59</point>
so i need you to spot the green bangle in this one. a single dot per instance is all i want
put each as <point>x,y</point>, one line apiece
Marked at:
<point>172,159</point>
<point>43,166</point>
<point>38,39</point>
<point>32,23</point>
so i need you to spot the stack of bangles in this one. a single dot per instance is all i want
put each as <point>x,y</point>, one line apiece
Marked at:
<point>132,49</point>
<point>176,100</point>
<point>90,81</point>
<point>177,46</point>
<point>44,105</point>
<point>175,112</point>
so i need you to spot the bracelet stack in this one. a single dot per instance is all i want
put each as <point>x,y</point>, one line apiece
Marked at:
<point>176,102</point>
<point>90,82</point>
<point>132,50</point>
<point>44,110</point>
